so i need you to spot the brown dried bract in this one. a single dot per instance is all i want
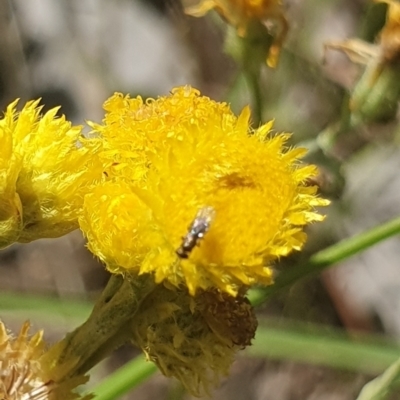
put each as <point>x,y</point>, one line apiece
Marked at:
<point>229,317</point>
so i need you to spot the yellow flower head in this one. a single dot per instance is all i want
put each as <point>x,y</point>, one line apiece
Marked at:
<point>217,204</point>
<point>193,339</point>
<point>242,13</point>
<point>46,169</point>
<point>27,373</point>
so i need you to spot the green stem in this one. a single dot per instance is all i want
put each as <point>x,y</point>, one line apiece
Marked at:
<point>323,346</point>
<point>124,379</point>
<point>253,81</point>
<point>374,98</point>
<point>105,329</point>
<point>330,256</point>
<point>236,86</point>
<point>327,139</point>
<point>381,387</point>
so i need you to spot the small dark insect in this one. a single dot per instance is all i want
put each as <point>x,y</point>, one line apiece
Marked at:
<point>196,231</point>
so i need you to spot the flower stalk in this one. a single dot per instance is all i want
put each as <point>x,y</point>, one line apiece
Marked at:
<point>106,328</point>
<point>330,256</point>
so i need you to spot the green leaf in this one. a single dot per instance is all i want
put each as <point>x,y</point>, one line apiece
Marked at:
<point>381,387</point>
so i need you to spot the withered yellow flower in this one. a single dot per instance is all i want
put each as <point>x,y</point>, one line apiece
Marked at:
<point>385,52</point>
<point>242,13</point>
<point>198,155</point>
<point>193,339</point>
<point>46,169</point>
<point>376,93</point>
<point>27,371</point>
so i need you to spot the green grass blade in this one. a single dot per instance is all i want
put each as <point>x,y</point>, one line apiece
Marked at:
<point>332,350</point>
<point>381,387</point>
<point>330,256</point>
<point>124,379</point>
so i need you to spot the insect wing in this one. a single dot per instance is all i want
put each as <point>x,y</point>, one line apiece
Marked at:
<point>202,222</point>
<point>197,229</point>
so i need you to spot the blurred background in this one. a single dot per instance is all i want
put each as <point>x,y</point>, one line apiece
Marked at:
<point>77,53</point>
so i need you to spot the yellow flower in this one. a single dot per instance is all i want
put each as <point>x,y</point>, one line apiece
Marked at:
<point>27,372</point>
<point>198,154</point>
<point>242,13</point>
<point>133,128</point>
<point>193,339</point>
<point>128,157</point>
<point>203,158</point>
<point>46,169</point>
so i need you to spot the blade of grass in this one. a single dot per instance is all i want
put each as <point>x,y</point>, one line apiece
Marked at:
<point>328,257</point>
<point>332,350</point>
<point>381,387</point>
<point>124,379</point>
<point>15,302</point>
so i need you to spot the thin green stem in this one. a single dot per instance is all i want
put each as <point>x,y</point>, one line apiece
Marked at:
<point>324,347</point>
<point>330,256</point>
<point>234,89</point>
<point>253,80</point>
<point>381,387</point>
<point>124,379</point>
<point>104,330</point>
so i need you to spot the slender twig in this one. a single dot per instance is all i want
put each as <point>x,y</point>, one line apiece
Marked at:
<point>124,379</point>
<point>330,256</point>
<point>253,81</point>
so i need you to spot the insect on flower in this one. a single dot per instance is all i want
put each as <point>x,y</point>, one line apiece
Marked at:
<point>196,231</point>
